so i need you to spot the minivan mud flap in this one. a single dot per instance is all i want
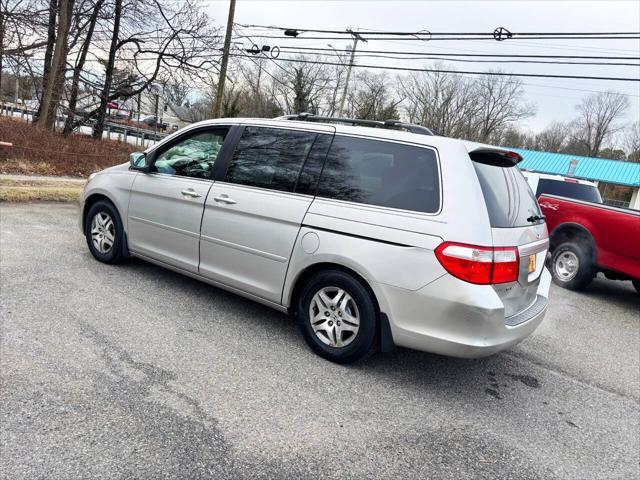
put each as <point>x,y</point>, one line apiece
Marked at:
<point>386,338</point>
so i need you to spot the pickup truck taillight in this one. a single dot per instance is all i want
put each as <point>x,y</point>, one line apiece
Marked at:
<point>479,265</point>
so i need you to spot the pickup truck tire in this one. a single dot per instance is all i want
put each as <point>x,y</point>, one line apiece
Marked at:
<point>636,285</point>
<point>571,266</point>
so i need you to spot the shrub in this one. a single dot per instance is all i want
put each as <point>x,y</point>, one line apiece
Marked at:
<point>40,152</point>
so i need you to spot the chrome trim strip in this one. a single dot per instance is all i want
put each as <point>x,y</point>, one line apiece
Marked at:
<point>242,248</point>
<point>179,177</point>
<point>534,247</point>
<point>165,227</point>
<point>264,190</point>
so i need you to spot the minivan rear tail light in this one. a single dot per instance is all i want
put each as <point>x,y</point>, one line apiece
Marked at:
<point>479,265</point>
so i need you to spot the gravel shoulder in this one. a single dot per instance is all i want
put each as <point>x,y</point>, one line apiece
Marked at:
<point>137,372</point>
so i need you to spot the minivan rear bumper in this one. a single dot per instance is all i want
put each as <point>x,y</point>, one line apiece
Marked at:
<point>455,318</point>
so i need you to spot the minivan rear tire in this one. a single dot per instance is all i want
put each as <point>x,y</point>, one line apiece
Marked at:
<point>572,251</point>
<point>361,303</point>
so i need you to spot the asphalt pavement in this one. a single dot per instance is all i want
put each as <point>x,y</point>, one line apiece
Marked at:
<point>133,371</point>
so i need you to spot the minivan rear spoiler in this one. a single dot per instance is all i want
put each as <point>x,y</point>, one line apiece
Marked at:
<point>495,156</point>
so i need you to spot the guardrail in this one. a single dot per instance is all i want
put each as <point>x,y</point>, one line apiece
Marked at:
<point>124,132</point>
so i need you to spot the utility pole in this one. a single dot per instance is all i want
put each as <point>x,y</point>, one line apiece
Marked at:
<point>225,59</point>
<point>356,37</point>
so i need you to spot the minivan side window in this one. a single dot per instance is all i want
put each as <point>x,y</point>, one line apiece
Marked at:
<point>381,173</point>
<point>193,156</point>
<point>269,158</point>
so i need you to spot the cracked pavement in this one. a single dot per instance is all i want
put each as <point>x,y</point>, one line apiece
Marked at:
<point>134,371</point>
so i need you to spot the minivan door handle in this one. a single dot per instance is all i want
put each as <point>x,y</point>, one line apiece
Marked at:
<point>224,198</point>
<point>190,192</point>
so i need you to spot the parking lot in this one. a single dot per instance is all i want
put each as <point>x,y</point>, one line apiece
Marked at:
<point>136,372</point>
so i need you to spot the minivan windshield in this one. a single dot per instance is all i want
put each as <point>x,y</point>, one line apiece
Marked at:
<point>510,201</point>
<point>568,189</point>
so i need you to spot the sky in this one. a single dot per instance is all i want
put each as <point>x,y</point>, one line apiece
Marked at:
<point>555,99</point>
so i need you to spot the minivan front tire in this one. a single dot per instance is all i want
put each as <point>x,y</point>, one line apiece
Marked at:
<point>104,233</point>
<point>338,317</point>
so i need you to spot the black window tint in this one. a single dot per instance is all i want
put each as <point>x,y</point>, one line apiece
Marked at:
<point>310,174</point>
<point>579,191</point>
<point>507,195</point>
<point>269,158</point>
<point>381,173</point>
<point>193,156</point>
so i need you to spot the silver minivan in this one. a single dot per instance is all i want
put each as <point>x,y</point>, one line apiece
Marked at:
<point>371,236</point>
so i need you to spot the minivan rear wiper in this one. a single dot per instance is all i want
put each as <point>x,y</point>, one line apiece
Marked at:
<point>535,218</point>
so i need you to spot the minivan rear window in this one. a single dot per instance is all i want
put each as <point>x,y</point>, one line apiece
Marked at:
<point>381,173</point>
<point>578,191</point>
<point>510,201</point>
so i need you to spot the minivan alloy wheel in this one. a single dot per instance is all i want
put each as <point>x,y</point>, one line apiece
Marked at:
<point>334,316</point>
<point>566,266</point>
<point>102,232</point>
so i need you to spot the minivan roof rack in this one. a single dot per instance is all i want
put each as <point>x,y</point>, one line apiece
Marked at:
<point>392,123</point>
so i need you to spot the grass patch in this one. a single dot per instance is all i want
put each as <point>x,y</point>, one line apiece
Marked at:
<point>29,190</point>
<point>36,151</point>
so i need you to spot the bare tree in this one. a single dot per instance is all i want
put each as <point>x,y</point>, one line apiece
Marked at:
<point>301,87</point>
<point>598,118</point>
<point>21,25</point>
<point>109,69</point>
<point>502,104</point>
<point>372,98</point>
<point>631,142</point>
<point>48,54</point>
<point>553,138</point>
<point>149,40</point>
<point>444,103</point>
<point>54,84</point>
<point>513,137</point>
<point>176,89</point>
<point>80,64</point>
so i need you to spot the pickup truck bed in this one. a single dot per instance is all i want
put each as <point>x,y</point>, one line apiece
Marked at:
<point>587,238</point>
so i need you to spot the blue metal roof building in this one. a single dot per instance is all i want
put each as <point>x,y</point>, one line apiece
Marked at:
<point>587,168</point>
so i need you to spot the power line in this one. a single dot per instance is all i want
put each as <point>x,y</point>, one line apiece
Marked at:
<point>268,56</point>
<point>447,39</point>
<point>501,55</point>
<point>576,89</point>
<point>459,72</point>
<point>241,38</point>
<point>429,33</point>
<point>466,60</point>
<point>520,44</point>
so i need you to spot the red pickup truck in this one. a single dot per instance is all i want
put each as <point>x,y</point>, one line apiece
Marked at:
<point>587,238</point>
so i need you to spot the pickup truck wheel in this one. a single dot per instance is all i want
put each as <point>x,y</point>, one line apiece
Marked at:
<point>571,266</point>
<point>636,285</point>
<point>338,317</point>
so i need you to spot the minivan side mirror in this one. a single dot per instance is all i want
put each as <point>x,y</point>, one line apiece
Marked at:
<point>138,161</point>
